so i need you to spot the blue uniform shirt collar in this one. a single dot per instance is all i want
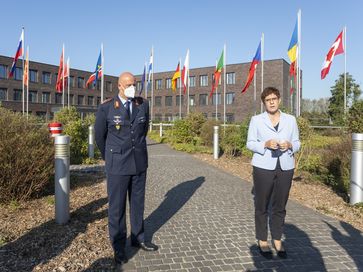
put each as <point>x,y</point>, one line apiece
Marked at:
<point>123,101</point>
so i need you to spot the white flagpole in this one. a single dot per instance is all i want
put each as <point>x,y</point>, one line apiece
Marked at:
<point>103,74</point>
<point>145,79</point>
<point>262,60</point>
<point>180,81</point>
<point>63,77</point>
<point>216,94</point>
<point>68,80</point>
<point>254,92</point>
<point>188,90</point>
<point>224,86</point>
<point>299,64</point>
<point>152,83</point>
<point>345,70</point>
<point>22,49</point>
<point>27,84</point>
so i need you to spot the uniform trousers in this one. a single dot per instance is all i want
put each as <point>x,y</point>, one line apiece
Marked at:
<point>271,188</point>
<point>117,188</point>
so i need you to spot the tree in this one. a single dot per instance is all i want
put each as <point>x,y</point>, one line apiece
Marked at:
<point>355,117</point>
<point>336,106</point>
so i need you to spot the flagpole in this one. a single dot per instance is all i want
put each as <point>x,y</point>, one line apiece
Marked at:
<point>299,64</point>
<point>63,77</point>
<point>345,69</point>
<point>68,80</point>
<point>255,92</point>
<point>22,49</point>
<point>145,79</point>
<point>180,84</point>
<point>188,92</point>
<point>103,72</point>
<point>27,84</point>
<point>224,87</point>
<point>262,60</point>
<point>152,83</point>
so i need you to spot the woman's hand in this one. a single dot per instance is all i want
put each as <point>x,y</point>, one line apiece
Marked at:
<point>271,144</point>
<point>284,145</point>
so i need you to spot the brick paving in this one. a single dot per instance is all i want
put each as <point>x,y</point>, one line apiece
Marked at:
<point>202,219</point>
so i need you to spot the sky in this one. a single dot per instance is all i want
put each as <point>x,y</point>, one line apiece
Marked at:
<point>128,29</point>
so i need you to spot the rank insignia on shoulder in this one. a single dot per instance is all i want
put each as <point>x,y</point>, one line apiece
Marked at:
<point>107,100</point>
<point>116,105</point>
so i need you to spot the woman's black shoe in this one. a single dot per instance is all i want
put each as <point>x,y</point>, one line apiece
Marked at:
<point>281,252</point>
<point>265,251</point>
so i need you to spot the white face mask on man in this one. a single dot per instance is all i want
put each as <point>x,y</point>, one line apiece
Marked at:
<point>130,92</point>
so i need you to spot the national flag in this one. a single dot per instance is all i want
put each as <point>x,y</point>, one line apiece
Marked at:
<point>292,73</point>
<point>26,69</point>
<point>97,73</point>
<point>292,50</point>
<point>143,79</point>
<point>185,71</point>
<point>150,68</point>
<point>59,84</point>
<point>19,53</point>
<point>253,67</point>
<point>175,77</point>
<point>336,49</point>
<point>217,73</point>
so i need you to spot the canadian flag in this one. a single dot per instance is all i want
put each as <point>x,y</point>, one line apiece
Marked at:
<point>336,49</point>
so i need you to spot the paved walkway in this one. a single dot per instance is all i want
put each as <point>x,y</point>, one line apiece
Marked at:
<point>202,219</point>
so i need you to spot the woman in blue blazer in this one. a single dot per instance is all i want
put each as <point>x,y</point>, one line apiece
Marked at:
<point>273,137</point>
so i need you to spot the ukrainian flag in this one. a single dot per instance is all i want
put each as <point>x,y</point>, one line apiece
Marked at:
<point>292,50</point>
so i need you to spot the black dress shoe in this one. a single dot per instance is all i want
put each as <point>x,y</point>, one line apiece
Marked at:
<point>265,251</point>
<point>120,257</point>
<point>280,252</point>
<point>147,246</point>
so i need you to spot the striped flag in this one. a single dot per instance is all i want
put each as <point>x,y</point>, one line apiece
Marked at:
<point>185,71</point>
<point>150,69</point>
<point>19,53</point>
<point>143,79</point>
<point>217,73</point>
<point>253,67</point>
<point>97,73</point>
<point>59,84</point>
<point>26,69</point>
<point>175,77</point>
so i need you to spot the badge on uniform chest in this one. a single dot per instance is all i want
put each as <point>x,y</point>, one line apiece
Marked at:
<point>117,122</point>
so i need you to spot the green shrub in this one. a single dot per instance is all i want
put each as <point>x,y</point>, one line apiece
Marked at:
<point>182,132</point>
<point>207,131</point>
<point>78,132</point>
<point>231,141</point>
<point>195,121</point>
<point>26,157</point>
<point>355,117</point>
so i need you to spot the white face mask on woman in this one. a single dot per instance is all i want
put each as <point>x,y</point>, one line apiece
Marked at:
<point>130,92</point>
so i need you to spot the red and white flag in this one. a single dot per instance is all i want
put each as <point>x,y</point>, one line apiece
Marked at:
<point>185,71</point>
<point>336,49</point>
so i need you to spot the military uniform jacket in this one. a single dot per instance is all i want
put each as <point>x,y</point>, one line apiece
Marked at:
<point>122,138</point>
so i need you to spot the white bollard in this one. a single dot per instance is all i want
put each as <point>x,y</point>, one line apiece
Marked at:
<point>215,143</point>
<point>91,141</point>
<point>61,178</point>
<point>161,130</point>
<point>356,172</point>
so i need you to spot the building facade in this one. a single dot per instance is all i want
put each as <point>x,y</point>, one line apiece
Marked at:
<point>44,100</point>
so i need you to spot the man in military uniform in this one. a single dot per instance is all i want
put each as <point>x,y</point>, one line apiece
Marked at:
<point>121,126</point>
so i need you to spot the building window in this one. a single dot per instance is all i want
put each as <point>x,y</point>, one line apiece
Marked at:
<point>98,100</point>
<point>168,101</point>
<point>203,80</point>
<point>71,81</point>
<point>203,99</point>
<point>3,71</point>
<point>158,84</point>
<point>17,95</point>
<point>71,99</point>
<point>80,100</point>
<point>231,78</point>
<point>218,116</point>
<point>46,97</point>
<point>18,73</point>
<point>230,117</point>
<point>90,101</point>
<point>80,82</point>
<point>138,86</point>
<point>192,81</point>
<point>108,86</point>
<point>157,101</point>
<point>33,96</point>
<point>192,100</point>
<point>41,114</point>
<point>179,99</point>
<point>216,99</point>
<point>58,98</point>
<point>229,98</point>
<point>33,75</point>
<point>3,94</point>
<point>46,78</point>
<point>168,83</point>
